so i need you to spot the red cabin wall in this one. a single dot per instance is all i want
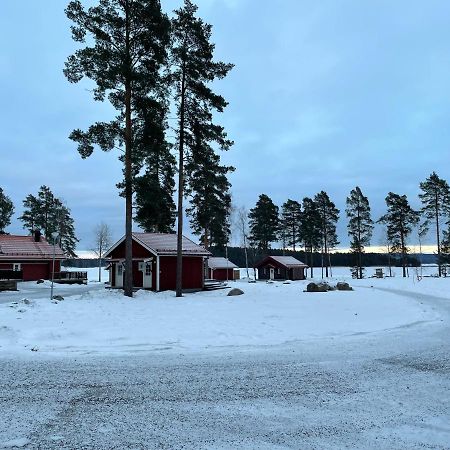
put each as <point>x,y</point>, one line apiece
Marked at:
<point>33,271</point>
<point>138,278</point>
<point>221,274</point>
<point>138,251</point>
<point>192,273</point>
<point>193,267</point>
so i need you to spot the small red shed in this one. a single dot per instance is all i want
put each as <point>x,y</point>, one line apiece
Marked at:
<point>155,262</point>
<point>281,268</point>
<point>221,269</point>
<point>28,258</point>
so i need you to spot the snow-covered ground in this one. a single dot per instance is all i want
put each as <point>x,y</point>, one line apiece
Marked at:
<point>273,369</point>
<point>94,320</point>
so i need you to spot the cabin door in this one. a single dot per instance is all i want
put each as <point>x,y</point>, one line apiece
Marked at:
<point>119,275</point>
<point>272,273</point>
<point>147,274</point>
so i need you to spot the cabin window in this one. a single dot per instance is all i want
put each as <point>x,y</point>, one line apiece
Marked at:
<point>17,267</point>
<point>148,270</point>
<point>279,271</point>
<point>119,269</point>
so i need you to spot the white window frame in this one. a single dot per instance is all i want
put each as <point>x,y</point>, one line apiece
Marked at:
<point>17,267</point>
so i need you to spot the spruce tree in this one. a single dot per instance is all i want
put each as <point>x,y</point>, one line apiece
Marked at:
<point>48,214</point>
<point>329,215</point>
<point>154,171</point>
<point>125,49</point>
<point>6,211</point>
<point>209,189</point>
<point>291,216</point>
<point>264,223</point>
<point>360,227</point>
<point>399,220</point>
<point>155,207</point>
<point>194,70</point>
<point>65,227</point>
<point>30,213</point>
<point>310,230</point>
<point>435,199</point>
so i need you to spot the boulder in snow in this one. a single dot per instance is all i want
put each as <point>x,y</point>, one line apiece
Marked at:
<point>342,286</point>
<point>317,287</point>
<point>40,281</point>
<point>235,291</point>
<point>58,297</point>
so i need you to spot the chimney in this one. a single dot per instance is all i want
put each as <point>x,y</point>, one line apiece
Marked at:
<point>37,236</point>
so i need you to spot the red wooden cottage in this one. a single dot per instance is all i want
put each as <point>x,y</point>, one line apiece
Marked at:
<point>28,258</point>
<point>281,268</point>
<point>155,262</point>
<point>221,269</point>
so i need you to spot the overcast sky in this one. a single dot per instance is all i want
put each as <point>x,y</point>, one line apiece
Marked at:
<point>324,96</point>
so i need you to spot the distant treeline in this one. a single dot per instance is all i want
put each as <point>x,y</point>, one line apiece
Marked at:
<point>84,263</point>
<point>237,256</point>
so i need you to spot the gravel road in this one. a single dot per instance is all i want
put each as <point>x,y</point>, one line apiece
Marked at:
<point>388,390</point>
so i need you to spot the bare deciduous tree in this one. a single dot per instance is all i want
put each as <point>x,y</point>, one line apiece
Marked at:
<point>241,215</point>
<point>102,243</point>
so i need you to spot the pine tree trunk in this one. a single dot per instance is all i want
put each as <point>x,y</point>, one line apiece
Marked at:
<point>179,279</point>
<point>206,239</point>
<point>128,281</point>
<point>100,264</point>
<point>359,243</point>
<point>329,263</point>
<point>436,204</point>
<point>403,254</point>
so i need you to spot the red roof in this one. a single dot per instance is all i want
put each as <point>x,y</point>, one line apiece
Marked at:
<point>164,244</point>
<point>287,261</point>
<point>221,263</point>
<point>25,247</point>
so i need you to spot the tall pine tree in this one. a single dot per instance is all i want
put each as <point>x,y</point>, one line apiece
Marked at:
<point>6,211</point>
<point>399,220</point>
<point>310,230</point>
<point>291,216</point>
<point>329,215</point>
<point>435,199</point>
<point>264,223</point>
<point>125,49</point>
<point>194,70</point>
<point>360,227</point>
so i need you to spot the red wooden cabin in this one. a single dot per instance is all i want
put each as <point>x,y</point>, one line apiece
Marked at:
<point>281,268</point>
<point>155,261</point>
<point>221,269</point>
<point>28,258</point>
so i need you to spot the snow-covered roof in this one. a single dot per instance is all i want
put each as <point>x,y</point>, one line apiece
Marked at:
<point>25,247</point>
<point>164,244</point>
<point>220,263</point>
<point>287,261</point>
